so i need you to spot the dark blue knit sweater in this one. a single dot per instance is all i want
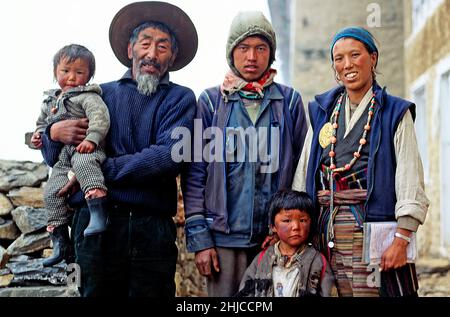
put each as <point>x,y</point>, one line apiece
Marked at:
<point>139,169</point>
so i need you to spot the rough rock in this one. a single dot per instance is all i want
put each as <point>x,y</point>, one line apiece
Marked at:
<point>5,271</point>
<point>43,291</point>
<point>46,253</point>
<point>25,266</point>
<point>32,272</point>
<point>5,205</point>
<point>4,257</point>
<point>29,219</point>
<point>5,280</point>
<point>28,243</point>
<point>434,277</point>
<point>20,258</point>
<point>8,230</point>
<point>27,196</point>
<point>15,174</point>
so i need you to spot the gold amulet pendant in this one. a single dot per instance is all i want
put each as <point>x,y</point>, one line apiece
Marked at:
<point>325,134</point>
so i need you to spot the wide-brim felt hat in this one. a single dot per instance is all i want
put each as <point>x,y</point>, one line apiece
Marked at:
<point>137,13</point>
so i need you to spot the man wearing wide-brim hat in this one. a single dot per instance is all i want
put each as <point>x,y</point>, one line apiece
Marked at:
<point>136,256</point>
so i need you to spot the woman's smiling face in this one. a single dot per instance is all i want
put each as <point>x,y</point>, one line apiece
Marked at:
<point>354,65</point>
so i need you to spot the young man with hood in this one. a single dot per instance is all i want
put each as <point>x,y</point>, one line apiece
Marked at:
<point>256,129</point>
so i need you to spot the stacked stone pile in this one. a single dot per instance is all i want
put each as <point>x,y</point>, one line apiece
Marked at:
<point>24,242</point>
<point>188,281</point>
<point>23,239</point>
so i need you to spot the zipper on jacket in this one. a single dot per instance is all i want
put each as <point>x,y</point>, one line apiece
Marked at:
<point>227,229</point>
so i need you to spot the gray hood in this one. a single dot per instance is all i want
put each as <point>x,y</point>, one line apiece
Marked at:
<point>249,23</point>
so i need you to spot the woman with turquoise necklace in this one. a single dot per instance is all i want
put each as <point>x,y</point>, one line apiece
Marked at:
<point>361,164</point>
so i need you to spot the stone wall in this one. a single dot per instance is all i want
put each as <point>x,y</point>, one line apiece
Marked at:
<point>280,15</point>
<point>24,242</point>
<point>429,45</point>
<point>424,51</point>
<point>314,25</point>
<point>187,279</point>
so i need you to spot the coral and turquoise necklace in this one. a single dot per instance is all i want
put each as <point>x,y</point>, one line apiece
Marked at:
<point>348,166</point>
<point>362,141</point>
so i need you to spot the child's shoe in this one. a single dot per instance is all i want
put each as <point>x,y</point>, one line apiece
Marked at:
<point>61,246</point>
<point>97,211</point>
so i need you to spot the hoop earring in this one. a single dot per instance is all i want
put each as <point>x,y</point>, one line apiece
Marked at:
<point>336,77</point>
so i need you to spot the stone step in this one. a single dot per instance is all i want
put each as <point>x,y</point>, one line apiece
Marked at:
<point>39,291</point>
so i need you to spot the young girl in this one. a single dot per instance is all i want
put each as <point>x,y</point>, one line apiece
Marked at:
<point>292,264</point>
<point>73,67</point>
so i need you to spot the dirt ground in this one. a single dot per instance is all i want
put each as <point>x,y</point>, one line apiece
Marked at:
<point>434,277</point>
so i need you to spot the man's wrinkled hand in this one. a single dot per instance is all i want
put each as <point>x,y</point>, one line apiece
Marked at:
<point>69,131</point>
<point>205,260</point>
<point>270,240</point>
<point>70,188</point>
<point>395,256</point>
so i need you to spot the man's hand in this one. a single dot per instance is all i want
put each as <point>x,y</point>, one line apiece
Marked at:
<point>86,147</point>
<point>36,140</point>
<point>270,240</point>
<point>69,131</point>
<point>395,256</point>
<point>70,188</point>
<point>205,260</point>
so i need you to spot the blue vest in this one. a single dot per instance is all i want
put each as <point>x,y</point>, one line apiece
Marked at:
<point>381,198</point>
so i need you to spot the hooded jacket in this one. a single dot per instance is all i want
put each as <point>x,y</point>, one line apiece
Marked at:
<point>204,185</point>
<point>250,23</point>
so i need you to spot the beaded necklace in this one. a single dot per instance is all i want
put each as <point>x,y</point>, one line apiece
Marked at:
<point>348,166</point>
<point>362,141</point>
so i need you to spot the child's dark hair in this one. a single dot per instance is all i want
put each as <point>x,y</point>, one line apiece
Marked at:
<point>290,199</point>
<point>73,52</point>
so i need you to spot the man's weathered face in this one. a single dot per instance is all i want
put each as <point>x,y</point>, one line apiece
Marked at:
<point>152,53</point>
<point>251,57</point>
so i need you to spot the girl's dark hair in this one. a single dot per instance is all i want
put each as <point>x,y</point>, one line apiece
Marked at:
<point>73,52</point>
<point>290,199</point>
